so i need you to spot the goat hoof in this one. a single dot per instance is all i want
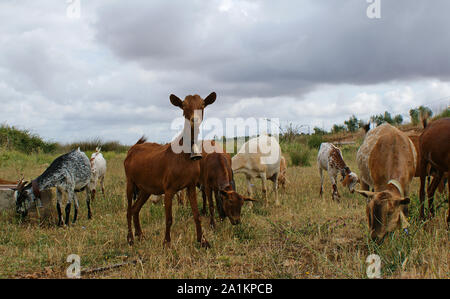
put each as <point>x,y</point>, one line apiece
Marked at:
<point>166,244</point>
<point>205,244</point>
<point>130,238</point>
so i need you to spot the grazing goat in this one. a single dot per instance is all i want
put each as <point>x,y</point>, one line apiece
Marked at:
<point>330,159</point>
<point>387,163</point>
<point>259,157</point>
<point>70,172</point>
<point>152,168</point>
<point>217,177</point>
<point>434,144</point>
<point>98,171</point>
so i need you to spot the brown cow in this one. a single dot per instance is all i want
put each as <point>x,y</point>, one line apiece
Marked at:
<point>387,163</point>
<point>157,169</point>
<point>217,178</point>
<point>434,146</point>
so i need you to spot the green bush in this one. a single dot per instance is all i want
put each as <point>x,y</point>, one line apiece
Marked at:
<point>24,141</point>
<point>299,154</point>
<point>314,141</point>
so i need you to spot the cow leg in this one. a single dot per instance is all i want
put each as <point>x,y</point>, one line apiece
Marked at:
<point>208,192</point>
<point>198,226</point>
<point>168,212</point>
<point>321,181</point>
<point>136,209</point>
<point>93,194</point>
<point>130,195</point>
<point>430,191</point>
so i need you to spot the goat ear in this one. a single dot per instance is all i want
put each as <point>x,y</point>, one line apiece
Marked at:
<point>405,201</point>
<point>366,194</point>
<point>176,101</point>
<point>210,99</point>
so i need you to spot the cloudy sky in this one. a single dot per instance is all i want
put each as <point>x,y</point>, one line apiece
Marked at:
<point>109,73</point>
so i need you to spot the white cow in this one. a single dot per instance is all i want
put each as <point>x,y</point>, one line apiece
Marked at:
<point>98,171</point>
<point>330,159</point>
<point>259,158</point>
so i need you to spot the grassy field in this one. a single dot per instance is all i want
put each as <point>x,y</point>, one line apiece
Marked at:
<point>307,237</point>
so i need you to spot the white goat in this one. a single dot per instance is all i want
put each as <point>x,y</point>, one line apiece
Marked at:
<point>98,171</point>
<point>259,158</point>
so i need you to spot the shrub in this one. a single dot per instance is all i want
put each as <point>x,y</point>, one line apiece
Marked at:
<point>314,141</point>
<point>24,141</point>
<point>299,154</point>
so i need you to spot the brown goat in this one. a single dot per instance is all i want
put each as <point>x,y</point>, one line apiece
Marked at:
<point>434,146</point>
<point>217,177</point>
<point>430,171</point>
<point>152,168</point>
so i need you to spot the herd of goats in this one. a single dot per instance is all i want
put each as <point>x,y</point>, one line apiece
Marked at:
<point>387,160</point>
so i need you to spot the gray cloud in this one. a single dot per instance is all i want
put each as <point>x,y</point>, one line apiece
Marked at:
<point>110,73</point>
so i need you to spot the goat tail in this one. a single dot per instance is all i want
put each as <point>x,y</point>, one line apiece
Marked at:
<point>142,140</point>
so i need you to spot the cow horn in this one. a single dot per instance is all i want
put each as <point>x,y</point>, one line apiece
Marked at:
<point>398,186</point>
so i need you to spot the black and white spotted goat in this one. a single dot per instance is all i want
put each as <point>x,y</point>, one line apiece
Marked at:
<point>70,172</point>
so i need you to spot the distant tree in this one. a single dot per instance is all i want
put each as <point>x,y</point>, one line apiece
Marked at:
<point>338,128</point>
<point>414,114</point>
<point>388,118</point>
<point>378,119</point>
<point>425,112</point>
<point>319,131</point>
<point>352,124</point>
<point>398,119</point>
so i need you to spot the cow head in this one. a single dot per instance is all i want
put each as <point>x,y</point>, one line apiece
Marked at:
<point>232,203</point>
<point>386,211</point>
<point>193,107</point>
<point>350,180</point>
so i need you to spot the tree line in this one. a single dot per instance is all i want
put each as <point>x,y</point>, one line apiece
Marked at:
<point>353,123</point>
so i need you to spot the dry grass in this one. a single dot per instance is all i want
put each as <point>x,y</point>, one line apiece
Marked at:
<point>307,237</point>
